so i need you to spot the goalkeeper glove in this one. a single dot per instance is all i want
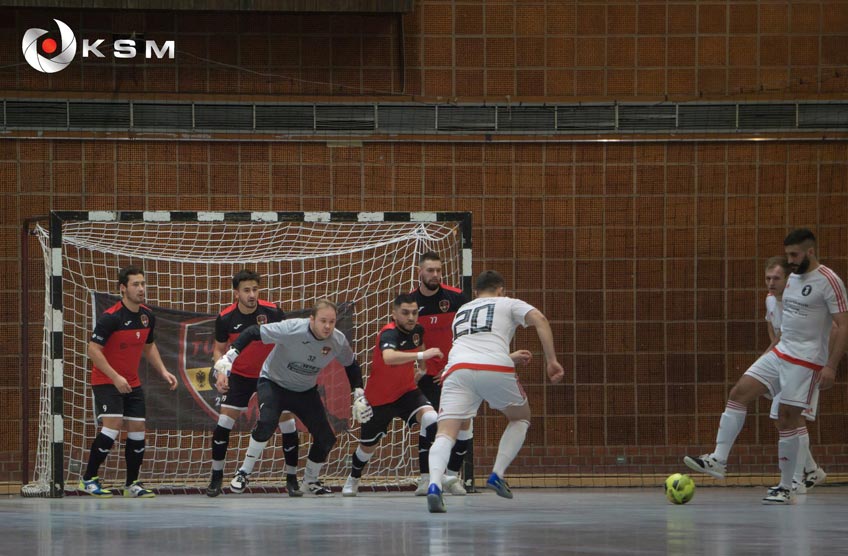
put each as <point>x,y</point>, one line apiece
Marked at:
<point>361,409</point>
<point>225,363</point>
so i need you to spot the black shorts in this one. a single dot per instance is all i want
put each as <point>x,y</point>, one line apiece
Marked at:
<point>108,402</point>
<point>405,408</point>
<point>431,390</point>
<point>307,406</point>
<point>241,389</point>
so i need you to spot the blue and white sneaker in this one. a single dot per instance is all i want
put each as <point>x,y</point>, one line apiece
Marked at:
<point>499,485</point>
<point>92,487</point>
<point>435,502</point>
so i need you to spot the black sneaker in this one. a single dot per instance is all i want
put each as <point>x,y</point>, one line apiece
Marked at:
<point>293,487</point>
<point>318,489</point>
<point>214,488</point>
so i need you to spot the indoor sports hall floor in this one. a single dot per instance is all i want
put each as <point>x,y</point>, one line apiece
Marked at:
<point>535,523</point>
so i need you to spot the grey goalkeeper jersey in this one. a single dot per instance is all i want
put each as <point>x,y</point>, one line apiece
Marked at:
<point>299,356</point>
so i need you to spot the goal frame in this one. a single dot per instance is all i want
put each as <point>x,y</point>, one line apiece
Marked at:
<point>54,295</point>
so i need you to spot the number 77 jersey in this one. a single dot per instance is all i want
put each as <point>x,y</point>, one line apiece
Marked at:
<point>482,332</point>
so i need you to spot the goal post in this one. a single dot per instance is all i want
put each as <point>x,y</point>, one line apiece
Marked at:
<point>361,260</point>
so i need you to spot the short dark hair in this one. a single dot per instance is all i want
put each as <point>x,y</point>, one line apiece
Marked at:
<point>489,280</point>
<point>322,304</point>
<point>429,256</point>
<point>245,276</point>
<point>404,298</point>
<point>799,236</point>
<point>778,261</point>
<point>125,273</point>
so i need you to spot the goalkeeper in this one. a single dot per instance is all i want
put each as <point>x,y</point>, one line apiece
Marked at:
<point>393,391</point>
<point>288,381</point>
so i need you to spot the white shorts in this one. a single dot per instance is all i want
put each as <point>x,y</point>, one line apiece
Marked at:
<point>809,413</point>
<point>464,389</point>
<point>796,384</point>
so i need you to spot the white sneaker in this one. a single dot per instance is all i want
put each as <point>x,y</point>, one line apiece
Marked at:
<point>423,485</point>
<point>453,485</point>
<point>239,482</point>
<point>814,477</point>
<point>779,497</point>
<point>318,489</point>
<point>706,464</point>
<point>351,487</point>
<point>797,488</point>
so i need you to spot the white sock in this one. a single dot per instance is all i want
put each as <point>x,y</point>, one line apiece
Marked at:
<point>788,449</point>
<point>313,469</point>
<point>512,440</point>
<point>729,427</point>
<point>809,463</point>
<point>287,427</point>
<point>440,453</point>
<point>254,450</point>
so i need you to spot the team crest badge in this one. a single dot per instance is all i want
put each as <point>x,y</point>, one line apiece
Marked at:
<point>416,339</point>
<point>444,305</point>
<point>806,290</point>
<point>144,320</point>
<point>325,350</point>
<point>261,319</point>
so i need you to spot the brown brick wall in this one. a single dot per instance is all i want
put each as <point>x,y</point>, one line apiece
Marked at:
<point>647,258</point>
<point>464,49</point>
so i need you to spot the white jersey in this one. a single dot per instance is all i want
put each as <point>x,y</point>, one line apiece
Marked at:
<point>774,312</point>
<point>299,356</point>
<point>809,300</point>
<point>482,332</point>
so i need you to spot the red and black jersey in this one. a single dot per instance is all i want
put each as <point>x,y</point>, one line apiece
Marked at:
<point>123,335</point>
<point>387,383</point>
<point>231,322</point>
<point>435,314</point>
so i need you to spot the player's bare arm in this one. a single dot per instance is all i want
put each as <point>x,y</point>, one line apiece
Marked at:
<point>536,319</point>
<point>827,375</point>
<point>222,381</point>
<point>151,353</point>
<point>396,357</point>
<point>95,353</point>
<point>521,357</point>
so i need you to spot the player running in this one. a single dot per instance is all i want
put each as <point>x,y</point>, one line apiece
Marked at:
<point>480,368</point>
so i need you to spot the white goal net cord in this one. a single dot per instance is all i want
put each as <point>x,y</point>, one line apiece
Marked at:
<point>188,268</point>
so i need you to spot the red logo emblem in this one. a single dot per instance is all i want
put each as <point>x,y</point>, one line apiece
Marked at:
<point>325,350</point>
<point>261,319</point>
<point>416,339</point>
<point>444,305</point>
<point>144,320</point>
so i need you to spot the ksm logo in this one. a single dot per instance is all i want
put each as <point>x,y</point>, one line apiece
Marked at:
<point>66,50</point>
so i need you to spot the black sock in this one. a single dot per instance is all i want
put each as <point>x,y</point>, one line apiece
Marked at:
<point>291,441</point>
<point>220,441</point>
<point>134,452</point>
<point>217,474</point>
<point>99,450</point>
<point>458,455</point>
<point>356,466</point>
<point>424,443</point>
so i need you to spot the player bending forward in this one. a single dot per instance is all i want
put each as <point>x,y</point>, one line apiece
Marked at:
<point>392,391</point>
<point>480,368</point>
<point>288,381</point>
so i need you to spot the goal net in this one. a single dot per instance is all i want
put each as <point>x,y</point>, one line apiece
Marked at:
<point>360,260</point>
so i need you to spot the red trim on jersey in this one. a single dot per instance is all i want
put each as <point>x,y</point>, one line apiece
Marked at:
<point>796,361</point>
<point>834,283</point>
<point>265,303</point>
<point>228,310</point>
<point>114,308</point>
<point>478,367</point>
<point>450,288</point>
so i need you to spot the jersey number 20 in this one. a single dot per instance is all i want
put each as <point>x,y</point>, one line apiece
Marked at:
<point>468,322</point>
